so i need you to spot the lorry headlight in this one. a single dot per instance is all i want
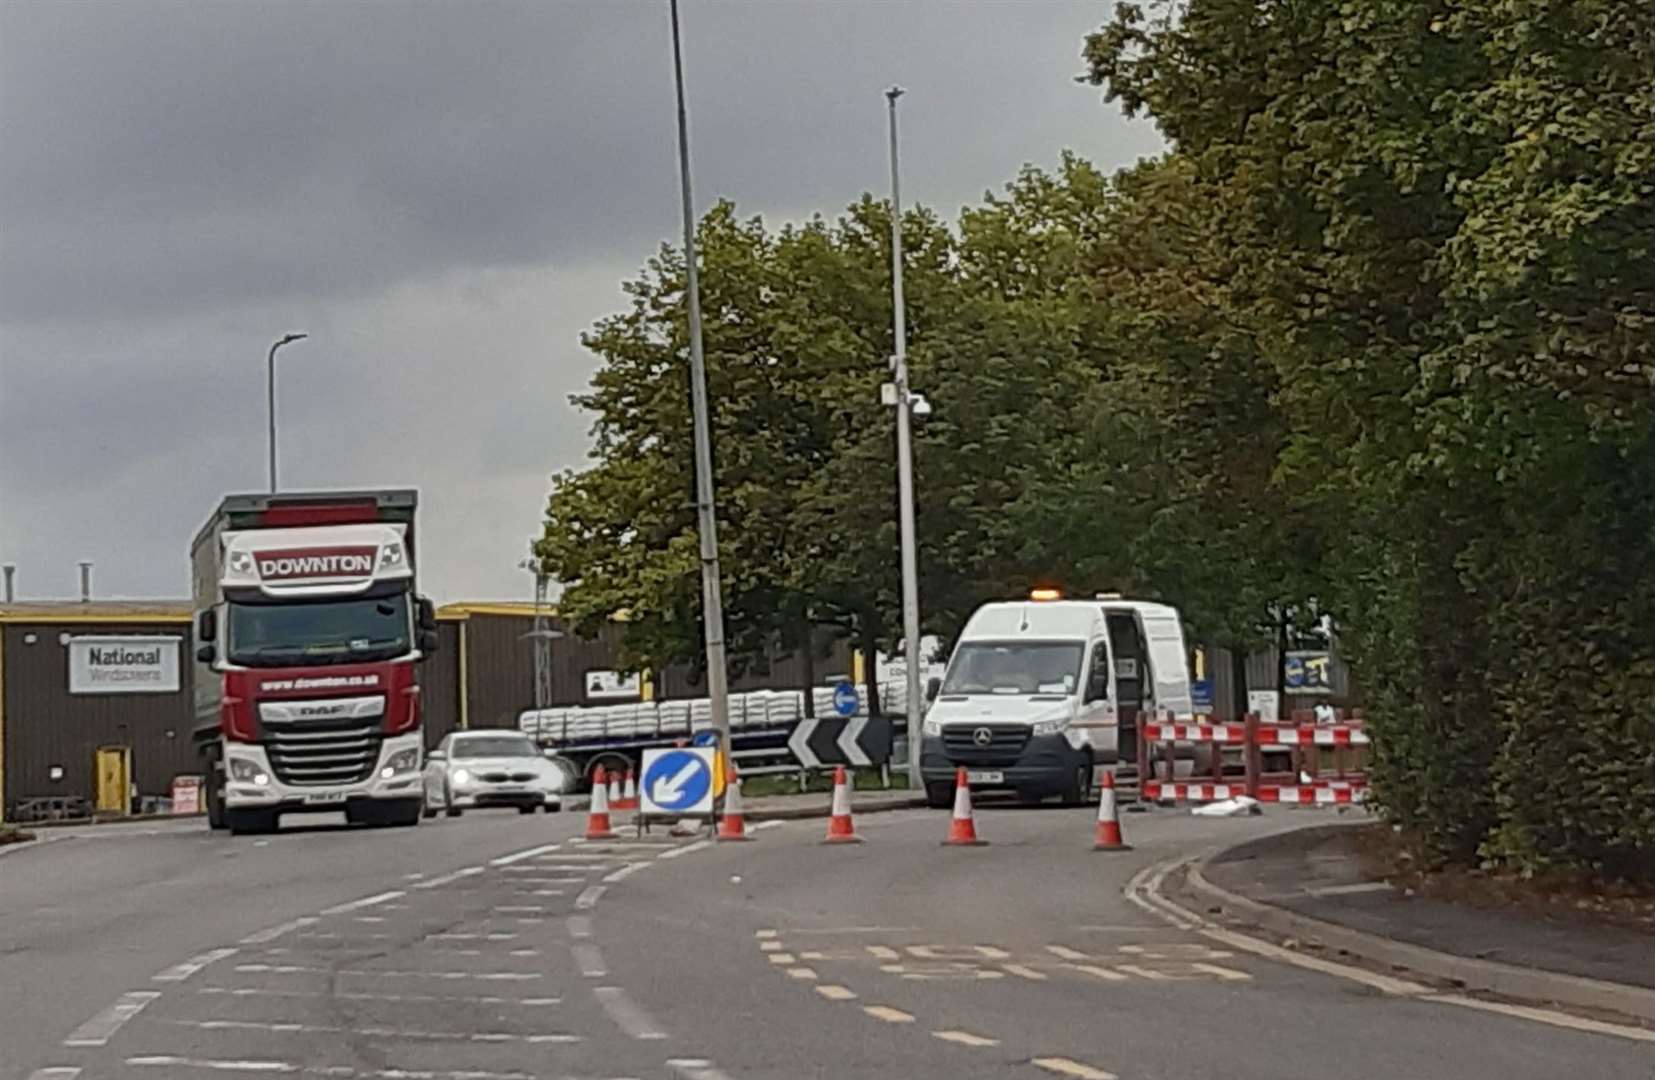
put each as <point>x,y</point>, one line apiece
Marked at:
<point>390,555</point>
<point>1049,727</point>
<point>932,728</point>
<point>241,562</point>
<point>242,769</point>
<point>400,762</point>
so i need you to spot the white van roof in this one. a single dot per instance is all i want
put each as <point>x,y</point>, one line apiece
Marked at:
<point>1033,619</point>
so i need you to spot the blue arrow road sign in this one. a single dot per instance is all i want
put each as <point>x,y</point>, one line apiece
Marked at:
<point>679,781</point>
<point>845,702</point>
<point>705,738</point>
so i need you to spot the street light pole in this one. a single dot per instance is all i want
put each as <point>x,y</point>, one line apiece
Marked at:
<point>712,602</point>
<point>905,465</point>
<point>270,389</point>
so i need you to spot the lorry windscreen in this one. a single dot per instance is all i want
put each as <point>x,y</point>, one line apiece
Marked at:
<point>1021,667</point>
<point>319,632</point>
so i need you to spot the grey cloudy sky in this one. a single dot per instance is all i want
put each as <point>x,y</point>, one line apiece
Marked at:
<point>443,195</point>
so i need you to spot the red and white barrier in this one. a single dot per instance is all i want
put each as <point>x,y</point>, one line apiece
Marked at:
<point>1306,783</point>
<point>1268,734</point>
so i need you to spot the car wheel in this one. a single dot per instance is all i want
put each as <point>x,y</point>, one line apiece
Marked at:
<point>427,811</point>
<point>452,811</point>
<point>552,808</point>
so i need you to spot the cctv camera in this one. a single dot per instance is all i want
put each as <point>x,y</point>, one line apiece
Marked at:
<point>919,407</point>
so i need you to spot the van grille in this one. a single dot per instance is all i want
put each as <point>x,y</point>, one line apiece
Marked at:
<point>340,750</point>
<point>1004,745</point>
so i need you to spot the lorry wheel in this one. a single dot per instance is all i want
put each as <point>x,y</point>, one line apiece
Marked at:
<point>215,797</point>
<point>939,796</point>
<point>250,822</point>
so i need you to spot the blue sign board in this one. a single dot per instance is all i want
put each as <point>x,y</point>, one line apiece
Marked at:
<point>677,781</point>
<point>705,738</point>
<point>1201,695</point>
<point>845,701</point>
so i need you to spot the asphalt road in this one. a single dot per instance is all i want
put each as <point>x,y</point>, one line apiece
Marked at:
<point>520,952</point>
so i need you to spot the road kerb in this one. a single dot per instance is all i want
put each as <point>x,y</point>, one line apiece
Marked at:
<point>1491,976</point>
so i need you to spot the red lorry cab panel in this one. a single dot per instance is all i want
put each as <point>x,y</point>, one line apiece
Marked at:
<point>244,689</point>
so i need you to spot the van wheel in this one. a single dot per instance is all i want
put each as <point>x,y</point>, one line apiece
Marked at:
<point>939,796</point>
<point>1079,792</point>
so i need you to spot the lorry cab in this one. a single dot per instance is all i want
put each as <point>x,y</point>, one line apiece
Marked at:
<point>1041,695</point>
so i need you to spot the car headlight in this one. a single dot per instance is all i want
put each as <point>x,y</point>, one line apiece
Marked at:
<point>932,728</point>
<point>242,769</point>
<point>460,776</point>
<point>1050,727</point>
<point>403,761</point>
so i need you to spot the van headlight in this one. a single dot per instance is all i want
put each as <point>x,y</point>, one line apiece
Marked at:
<point>403,761</point>
<point>1050,727</point>
<point>933,728</point>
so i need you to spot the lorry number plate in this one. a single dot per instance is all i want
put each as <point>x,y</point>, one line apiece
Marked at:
<point>978,776</point>
<point>325,797</point>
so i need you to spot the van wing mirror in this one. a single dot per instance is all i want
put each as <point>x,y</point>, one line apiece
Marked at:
<point>933,687</point>
<point>206,625</point>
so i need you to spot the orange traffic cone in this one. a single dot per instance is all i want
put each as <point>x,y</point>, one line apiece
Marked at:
<point>629,793</point>
<point>615,790</point>
<point>840,828</point>
<point>1109,824</point>
<point>963,829</point>
<point>597,820</point>
<point>733,825</point>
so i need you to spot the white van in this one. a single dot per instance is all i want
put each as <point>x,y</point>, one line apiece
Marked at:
<point>1042,695</point>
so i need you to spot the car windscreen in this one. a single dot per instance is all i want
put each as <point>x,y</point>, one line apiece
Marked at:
<point>319,632</point>
<point>1020,667</point>
<point>485,746</point>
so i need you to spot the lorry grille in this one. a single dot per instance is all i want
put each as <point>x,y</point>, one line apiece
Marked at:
<point>1005,743</point>
<point>341,750</point>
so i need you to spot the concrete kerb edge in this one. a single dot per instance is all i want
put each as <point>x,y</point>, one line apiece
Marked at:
<point>1491,976</point>
<point>802,813</point>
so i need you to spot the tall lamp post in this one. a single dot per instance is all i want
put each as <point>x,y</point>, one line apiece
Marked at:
<point>906,405</point>
<point>712,600</point>
<point>270,387</point>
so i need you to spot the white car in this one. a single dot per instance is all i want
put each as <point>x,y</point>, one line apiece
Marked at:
<point>474,769</point>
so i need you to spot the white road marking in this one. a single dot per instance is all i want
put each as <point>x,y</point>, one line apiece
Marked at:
<point>1384,983</point>
<point>888,1014</point>
<point>1067,953</point>
<point>56,1072</point>
<point>783,958</point>
<point>180,972</point>
<point>370,918</point>
<point>1025,972</point>
<point>860,930</point>
<point>764,933</point>
<point>303,969</point>
<point>544,880</point>
<point>964,1038</point>
<point>589,897</point>
<point>170,1061</point>
<point>836,993</point>
<point>580,926</point>
<point>498,935</point>
<point>365,902</point>
<point>102,1027</point>
<point>446,879</point>
<point>579,856</point>
<point>469,999</point>
<point>274,932</point>
<point>1100,972</point>
<point>699,845</point>
<point>884,952</point>
<point>626,1014</point>
<point>547,892</point>
<point>801,973</point>
<point>292,1028</point>
<point>590,961</point>
<point>519,909</point>
<point>1545,1016</point>
<point>697,1069</point>
<point>625,871</point>
<point>762,825</point>
<point>1065,1067</point>
<point>769,945</point>
<point>519,856</point>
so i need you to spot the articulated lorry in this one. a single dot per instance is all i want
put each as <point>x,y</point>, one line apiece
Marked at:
<point>309,629</point>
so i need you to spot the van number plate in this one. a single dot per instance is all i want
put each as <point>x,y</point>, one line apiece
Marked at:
<point>980,776</point>
<point>324,797</point>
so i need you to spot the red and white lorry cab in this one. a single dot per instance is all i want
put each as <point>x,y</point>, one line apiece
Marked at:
<point>308,632</point>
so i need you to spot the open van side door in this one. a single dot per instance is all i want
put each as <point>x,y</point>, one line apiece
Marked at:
<point>1168,659</point>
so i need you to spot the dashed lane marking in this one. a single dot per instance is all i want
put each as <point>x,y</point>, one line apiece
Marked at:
<point>1025,972</point>
<point>102,1027</point>
<point>274,932</point>
<point>696,1069</point>
<point>370,918</point>
<point>1065,1067</point>
<point>519,856</point>
<point>170,1061</point>
<point>589,897</point>
<point>293,1028</point>
<point>783,958</point>
<point>626,1014</point>
<point>180,972</point>
<point>449,879</point>
<point>888,1014</point>
<point>497,935</point>
<point>836,993</point>
<point>426,999</point>
<point>769,945</point>
<point>699,845</point>
<point>802,973</point>
<point>1107,974</point>
<point>56,1072</point>
<point>1067,953</point>
<point>884,952</point>
<point>374,973</point>
<point>590,961</point>
<point>365,902</point>
<point>580,926</point>
<point>964,1038</point>
<point>765,933</point>
<point>519,909</point>
<point>547,892</point>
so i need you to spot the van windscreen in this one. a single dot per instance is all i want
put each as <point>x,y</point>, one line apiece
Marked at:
<point>1015,667</point>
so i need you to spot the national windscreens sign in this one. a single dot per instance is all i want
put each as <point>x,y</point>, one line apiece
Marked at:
<point>123,665</point>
